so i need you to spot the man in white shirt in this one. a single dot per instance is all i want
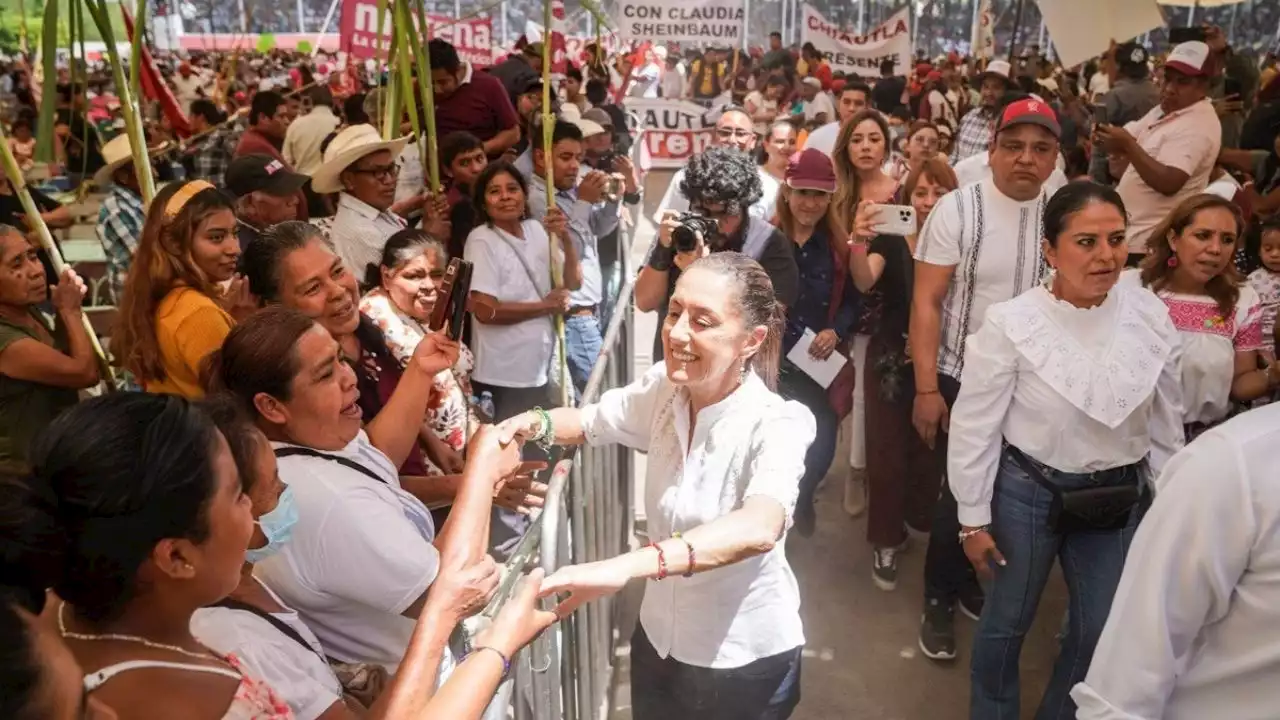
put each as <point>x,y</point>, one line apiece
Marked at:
<point>981,245</point>
<point>733,129</point>
<point>855,97</point>
<point>1192,632</point>
<point>817,104</point>
<point>303,138</point>
<point>188,86</point>
<point>1170,152</point>
<point>645,77</point>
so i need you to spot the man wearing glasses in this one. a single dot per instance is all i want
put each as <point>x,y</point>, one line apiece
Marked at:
<point>733,129</point>
<point>362,166</point>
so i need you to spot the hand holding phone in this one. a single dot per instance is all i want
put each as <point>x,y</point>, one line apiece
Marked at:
<point>894,220</point>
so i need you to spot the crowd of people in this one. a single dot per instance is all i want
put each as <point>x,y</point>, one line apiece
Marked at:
<point>1043,300</point>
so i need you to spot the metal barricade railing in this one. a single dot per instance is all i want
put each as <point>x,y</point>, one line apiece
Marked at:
<point>566,673</point>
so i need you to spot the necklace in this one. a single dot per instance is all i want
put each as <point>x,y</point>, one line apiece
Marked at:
<point>62,628</point>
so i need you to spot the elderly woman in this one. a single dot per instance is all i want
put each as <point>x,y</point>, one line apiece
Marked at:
<point>255,624</point>
<point>779,144</point>
<point>1069,402</point>
<point>720,633</point>
<point>363,168</point>
<point>43,361</point>
<point>135,516</point>
<point>1189,265</point>
<point>902,476</point>
<point>405,289</point>
<point>174,311</point>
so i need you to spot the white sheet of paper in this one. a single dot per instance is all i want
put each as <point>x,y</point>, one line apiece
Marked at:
<point>822,371</point>
<point>1081,29</point>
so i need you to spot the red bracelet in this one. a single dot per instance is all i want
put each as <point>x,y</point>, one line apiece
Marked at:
<point>693,558</point>
<point>662,561</point>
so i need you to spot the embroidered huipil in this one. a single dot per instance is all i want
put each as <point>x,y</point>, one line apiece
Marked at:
<point>1080,390</point>
<point>1210,342</point>
<point>751,443</point>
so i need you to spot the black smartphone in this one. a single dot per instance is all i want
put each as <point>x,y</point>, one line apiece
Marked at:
<point>458,301</point>
<point>1186,34</point>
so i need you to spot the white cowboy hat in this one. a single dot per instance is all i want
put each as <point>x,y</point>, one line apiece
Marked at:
<point>117,154</point>
<point>347,147</point>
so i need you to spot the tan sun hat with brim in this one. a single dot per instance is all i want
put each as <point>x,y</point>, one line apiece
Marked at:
<point>117,154</point>
<point>347,147</point>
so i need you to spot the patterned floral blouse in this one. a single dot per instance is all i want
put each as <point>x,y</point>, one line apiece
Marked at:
<point>449,413</point>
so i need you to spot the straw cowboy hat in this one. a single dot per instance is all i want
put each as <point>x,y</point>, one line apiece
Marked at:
<point>117,154</point>
<point>347,147</point>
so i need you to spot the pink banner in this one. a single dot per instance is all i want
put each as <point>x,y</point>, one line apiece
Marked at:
<point>359,28</point>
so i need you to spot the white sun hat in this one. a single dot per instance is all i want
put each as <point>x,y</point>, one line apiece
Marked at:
<point>347,147</point>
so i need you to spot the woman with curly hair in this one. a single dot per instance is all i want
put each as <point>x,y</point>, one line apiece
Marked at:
<point>1189,265</point>
<point>173,312</point>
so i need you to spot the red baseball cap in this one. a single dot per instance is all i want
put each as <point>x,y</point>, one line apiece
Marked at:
<point>932,76</point>
<point>811,169</point>
<point>923,68</point>
<point>1030,111</point>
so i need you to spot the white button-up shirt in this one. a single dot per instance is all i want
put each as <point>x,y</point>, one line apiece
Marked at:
<point>1078,390</point>
<point>1192,633</point>
<point>359,231</point>
<point>751,443</point>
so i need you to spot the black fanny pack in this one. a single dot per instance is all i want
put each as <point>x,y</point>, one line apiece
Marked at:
<point>1090,509</point>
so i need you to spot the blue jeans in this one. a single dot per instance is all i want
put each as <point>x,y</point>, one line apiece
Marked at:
<point>667,689</point>
<point>1091,563</point>
<point>582,341</point>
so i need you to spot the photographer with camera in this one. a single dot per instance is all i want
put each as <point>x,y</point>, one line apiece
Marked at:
<point>734,129</point>
<point>610,152</point>
<point>721,185</point>
<point>591,201</point>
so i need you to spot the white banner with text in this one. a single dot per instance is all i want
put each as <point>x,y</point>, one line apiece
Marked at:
<point>860,54</point>
<point>673,130</point>
<point>708,22</point>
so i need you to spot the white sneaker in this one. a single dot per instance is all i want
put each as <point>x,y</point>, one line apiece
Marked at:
<point>855,492</point>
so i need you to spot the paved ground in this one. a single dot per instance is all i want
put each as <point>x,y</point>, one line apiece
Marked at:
<point>862,661</point>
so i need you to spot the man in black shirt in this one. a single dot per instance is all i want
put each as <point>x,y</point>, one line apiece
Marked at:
<point>886,96</point>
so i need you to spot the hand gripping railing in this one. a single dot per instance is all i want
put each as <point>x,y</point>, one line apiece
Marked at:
<point>587,516</point>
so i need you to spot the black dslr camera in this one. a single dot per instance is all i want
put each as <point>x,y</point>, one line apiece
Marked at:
<point>684,238</point>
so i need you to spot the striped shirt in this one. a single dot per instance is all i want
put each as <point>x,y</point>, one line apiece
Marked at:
<point>993,243</point>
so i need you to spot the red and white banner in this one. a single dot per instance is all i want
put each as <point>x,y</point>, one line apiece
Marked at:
<point>859,54</point>
<point>359,28</point>
<point>673,130</point>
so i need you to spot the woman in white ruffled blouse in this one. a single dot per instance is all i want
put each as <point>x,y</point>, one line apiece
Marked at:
<point>1067,392</point>
<point>1218,315</point>
<point>719,633</point>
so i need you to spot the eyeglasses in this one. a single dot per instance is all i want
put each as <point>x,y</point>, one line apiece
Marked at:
<point>721,214</point>
<point>725,133</point>
<point>380,172</point>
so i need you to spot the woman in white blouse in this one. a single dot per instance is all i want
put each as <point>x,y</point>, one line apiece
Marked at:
<point>1067,391</point>
<point>1219,316</point>
<point>719,633</point>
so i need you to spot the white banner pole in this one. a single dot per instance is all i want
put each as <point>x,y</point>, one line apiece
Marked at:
<point>746,23</point>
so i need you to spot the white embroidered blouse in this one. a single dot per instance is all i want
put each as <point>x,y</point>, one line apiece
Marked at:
<point>1080,390</point>
<point>1209,346</point>
<point>751,443</point>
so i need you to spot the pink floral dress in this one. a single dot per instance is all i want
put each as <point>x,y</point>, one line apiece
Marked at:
<point>449,413</point>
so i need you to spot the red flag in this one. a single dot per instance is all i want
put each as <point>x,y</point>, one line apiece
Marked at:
<point>559,61</point>
<point>154,87</point>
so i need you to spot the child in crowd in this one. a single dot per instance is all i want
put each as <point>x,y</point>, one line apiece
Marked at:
<point>1266,281</point>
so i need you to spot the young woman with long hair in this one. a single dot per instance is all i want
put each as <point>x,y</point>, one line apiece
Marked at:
<point>1219,316</point>
<point>174,313</point>
<point>902,476</point>
<point>860,154</point>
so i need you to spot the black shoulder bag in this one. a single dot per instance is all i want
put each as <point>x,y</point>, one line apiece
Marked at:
<point>308,452</point>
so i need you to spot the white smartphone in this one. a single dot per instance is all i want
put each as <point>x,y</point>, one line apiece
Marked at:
<point>895,220</point>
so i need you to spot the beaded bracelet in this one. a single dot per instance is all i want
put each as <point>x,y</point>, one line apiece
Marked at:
<point>966,534</point>
<point>662,561</point>
<point>506,663</point>
<point>693,557</point>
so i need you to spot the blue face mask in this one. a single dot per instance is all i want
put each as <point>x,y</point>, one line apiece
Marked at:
<point>277,525</point>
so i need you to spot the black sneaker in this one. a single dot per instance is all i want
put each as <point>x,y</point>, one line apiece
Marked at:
<point>938,631</point>
<point>972,601</point>
<point>884,568</point>
<point>806,518</point>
